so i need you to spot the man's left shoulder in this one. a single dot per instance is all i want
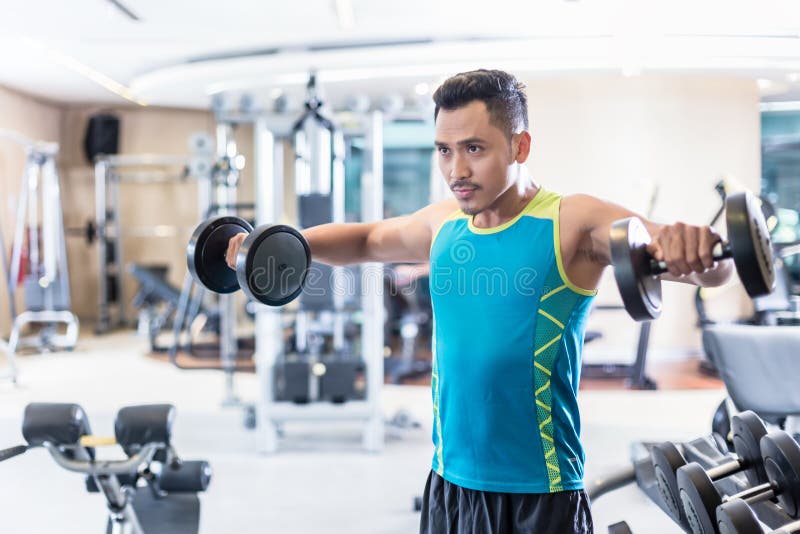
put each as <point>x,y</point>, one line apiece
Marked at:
<point>578,209</point>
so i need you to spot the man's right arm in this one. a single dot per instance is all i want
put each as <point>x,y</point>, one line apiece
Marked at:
<point>399,239</point>
<point>395,240</point>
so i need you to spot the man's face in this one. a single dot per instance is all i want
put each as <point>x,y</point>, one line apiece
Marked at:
<point>474,156</point>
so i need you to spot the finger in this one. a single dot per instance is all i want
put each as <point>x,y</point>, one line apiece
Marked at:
<point>230,254</point>
<point>692,251</point>
<point>708,239</point>
<point>655,251</point>
<point>675,254</point>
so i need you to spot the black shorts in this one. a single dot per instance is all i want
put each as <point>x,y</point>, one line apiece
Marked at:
<point>451,509</point>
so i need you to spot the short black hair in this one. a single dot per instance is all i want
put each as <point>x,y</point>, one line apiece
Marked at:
<point>503,95</point>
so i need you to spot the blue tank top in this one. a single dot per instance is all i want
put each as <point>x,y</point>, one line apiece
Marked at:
<point>507,338</point>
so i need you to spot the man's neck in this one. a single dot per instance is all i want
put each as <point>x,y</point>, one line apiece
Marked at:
<point>507,206</point>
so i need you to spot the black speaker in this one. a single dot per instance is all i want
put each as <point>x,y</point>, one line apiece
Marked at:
<point>102,136</point>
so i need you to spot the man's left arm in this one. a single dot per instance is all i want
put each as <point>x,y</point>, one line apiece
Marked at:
<point>686,249</point>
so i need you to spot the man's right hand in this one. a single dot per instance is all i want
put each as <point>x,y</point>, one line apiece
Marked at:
<point>234,245</point>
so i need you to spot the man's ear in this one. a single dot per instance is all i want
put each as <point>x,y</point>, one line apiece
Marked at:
<point>522,141</point>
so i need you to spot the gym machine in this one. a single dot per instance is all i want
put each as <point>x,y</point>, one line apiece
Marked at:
<point>107,229</point>
<point>324,365</point>
<point>218,199</point>
<point>634,374</point>
<point>292,386</point>
<point>336,376</point>
<point>39,234</point>
<point>150,491</point>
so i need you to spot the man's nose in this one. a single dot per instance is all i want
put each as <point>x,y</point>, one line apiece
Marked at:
<point>460,168</point>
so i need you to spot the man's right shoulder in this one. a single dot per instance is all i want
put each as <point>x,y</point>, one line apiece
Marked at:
<point>435,214</point>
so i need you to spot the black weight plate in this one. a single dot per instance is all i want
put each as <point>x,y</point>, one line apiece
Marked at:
<point>748,429</point>
<point>750,243</point>
<point>667,459</point>
<point>272,264</point>
<point>205,255</point>
<point>736,517</point>
<point>782,463</point>
<point>640,291</point>
<point>699,498</point>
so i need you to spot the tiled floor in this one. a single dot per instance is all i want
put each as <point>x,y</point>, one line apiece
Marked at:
<point>320,480</point>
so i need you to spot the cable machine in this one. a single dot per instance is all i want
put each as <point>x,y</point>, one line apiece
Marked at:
<point>38,255</point>
<point>322,374</point>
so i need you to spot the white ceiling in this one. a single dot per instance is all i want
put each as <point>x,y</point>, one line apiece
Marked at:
<point>181,52</point>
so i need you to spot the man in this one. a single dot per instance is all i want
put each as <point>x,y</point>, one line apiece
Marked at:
<point>514,268</point>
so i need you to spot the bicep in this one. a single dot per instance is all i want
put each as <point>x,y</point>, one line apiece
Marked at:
<point>399,239</point>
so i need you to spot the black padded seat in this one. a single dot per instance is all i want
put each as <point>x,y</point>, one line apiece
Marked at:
<point>138,425</point>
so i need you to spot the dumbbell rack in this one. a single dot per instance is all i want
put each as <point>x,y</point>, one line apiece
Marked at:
<point>705,452</point>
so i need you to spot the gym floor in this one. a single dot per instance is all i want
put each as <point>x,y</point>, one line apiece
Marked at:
<point>319,481</point>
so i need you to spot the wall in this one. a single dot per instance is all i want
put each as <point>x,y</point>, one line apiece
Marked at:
<point>619,138</point>
<point>37,120</point>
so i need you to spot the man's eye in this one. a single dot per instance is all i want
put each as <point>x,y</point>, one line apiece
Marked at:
<point>472,149</point>
<point>443,150</point>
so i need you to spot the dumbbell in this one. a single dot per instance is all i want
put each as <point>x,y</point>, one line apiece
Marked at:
<point>636,272</point>
<point>271,265</point>
<point>781,460</point>
<point>747,429</point>
<point>736,517</point>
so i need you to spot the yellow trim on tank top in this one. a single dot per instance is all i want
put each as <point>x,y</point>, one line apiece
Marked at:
<point>532,203</point>
<point>458,214</point>
<point>548,208</point>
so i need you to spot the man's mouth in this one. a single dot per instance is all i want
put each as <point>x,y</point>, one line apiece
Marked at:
<point>464,192</point>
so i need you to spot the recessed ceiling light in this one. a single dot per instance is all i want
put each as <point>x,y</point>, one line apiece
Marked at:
<point>793,77</point>
<point>422,89</point>
<point>84,70</point>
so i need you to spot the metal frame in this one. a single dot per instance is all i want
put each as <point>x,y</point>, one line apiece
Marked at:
<point>224,194</point>
<point>635,374</point>
<point>108,175</point>
<point>216,197</point>
<point>40,183</point>
<point>121,514</point>
<point>269,346</point>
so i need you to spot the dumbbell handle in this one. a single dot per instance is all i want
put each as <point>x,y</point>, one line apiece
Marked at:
<point>723,470</point>
<point>722,251</point>
<point>759,493</point>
